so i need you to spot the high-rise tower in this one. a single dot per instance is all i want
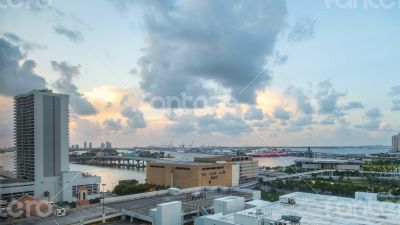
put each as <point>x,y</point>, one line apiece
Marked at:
<point>41,134</point>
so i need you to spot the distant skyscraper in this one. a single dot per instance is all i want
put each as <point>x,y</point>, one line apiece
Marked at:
<point>102,145</point>
<point>90,145</point>
<point>41,134</point>
<point>108,145</point>
<point>396,142</point>
<point>85,144</point>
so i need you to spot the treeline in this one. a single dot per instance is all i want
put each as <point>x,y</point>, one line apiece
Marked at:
<point>337,187</point>
<point>381,165</point>
<point>134,187</point>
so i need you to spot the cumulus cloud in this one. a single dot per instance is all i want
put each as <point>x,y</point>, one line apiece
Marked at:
<point>79,104</point>
<point>327,121</point>
<point>124,99</point>
<point>254,113</point>
<point>73,35</point>
<point>370,125</point>
<point>17,75</point>
<point>303,29</point>
<point>302,100</point>
<point>303,121</point>
<point>112,125</point>
<point>227,124</point>
<point>108,105</point>
<point>281,113</point>
<point>396,105</point>
<point>25,45</point>
<point>395,91</point>
<point>135,118</point>
<point>327,98</point>
<point>373,120</point>
<point>185,124</point>
<point>207,41</point>
<point>373,113</point>
<point>171,115</point>
<point>353,105</point>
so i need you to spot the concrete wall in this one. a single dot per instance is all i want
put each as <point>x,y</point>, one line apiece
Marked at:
<point>169,213</point>
<point>229,204</point>
<point>235,174</point>
<point>50,184</point>
<point>75,178</point>
<point>189,175</point>
<point>349,167</point>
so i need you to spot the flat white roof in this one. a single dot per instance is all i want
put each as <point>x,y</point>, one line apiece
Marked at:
<point>324,210</point>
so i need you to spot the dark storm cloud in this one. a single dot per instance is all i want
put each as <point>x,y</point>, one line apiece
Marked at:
<point>219,41</point>
<point>65,85</point>
<point>16,75</point>
<point>73,35</point>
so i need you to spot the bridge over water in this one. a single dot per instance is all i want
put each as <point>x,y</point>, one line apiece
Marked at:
<point>114,161</point>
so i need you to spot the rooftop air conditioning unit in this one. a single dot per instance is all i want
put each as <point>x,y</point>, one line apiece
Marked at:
<point>60,212</point>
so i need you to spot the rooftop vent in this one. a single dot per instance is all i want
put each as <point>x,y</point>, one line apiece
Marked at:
<point>291,218</point>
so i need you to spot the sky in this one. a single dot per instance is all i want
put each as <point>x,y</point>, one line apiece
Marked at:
<point>232,73</point>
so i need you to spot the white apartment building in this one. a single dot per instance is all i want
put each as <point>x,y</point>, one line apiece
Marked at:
<point>42,140</point>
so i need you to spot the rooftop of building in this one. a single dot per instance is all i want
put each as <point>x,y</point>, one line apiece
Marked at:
<point>330,161</point>
<point>144,203</point>
<point>321,209</point>
<point>42,91</point>
<point>177,162</point>
<point>230,158</point>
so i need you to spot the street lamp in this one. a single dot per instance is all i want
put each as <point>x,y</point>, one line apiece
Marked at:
<point>104,216</point>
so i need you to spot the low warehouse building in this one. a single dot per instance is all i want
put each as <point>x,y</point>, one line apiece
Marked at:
<point>328,164</point>
<point>192,174</point>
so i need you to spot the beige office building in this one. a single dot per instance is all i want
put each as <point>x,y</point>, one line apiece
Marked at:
<point>192,174</point>
<point>248,167</point>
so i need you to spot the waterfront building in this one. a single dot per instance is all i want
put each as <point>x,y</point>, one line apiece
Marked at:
<point>328,164</point>
<point>248,167</point>
<point>305,209</point>
<point>396,142</point>
<point>41,140</point>
<point>192,174</point>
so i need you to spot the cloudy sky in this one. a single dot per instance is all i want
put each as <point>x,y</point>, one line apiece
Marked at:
<point>269,72</point>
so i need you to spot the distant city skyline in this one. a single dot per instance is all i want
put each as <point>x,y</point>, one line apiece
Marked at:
<point>280,73</point>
